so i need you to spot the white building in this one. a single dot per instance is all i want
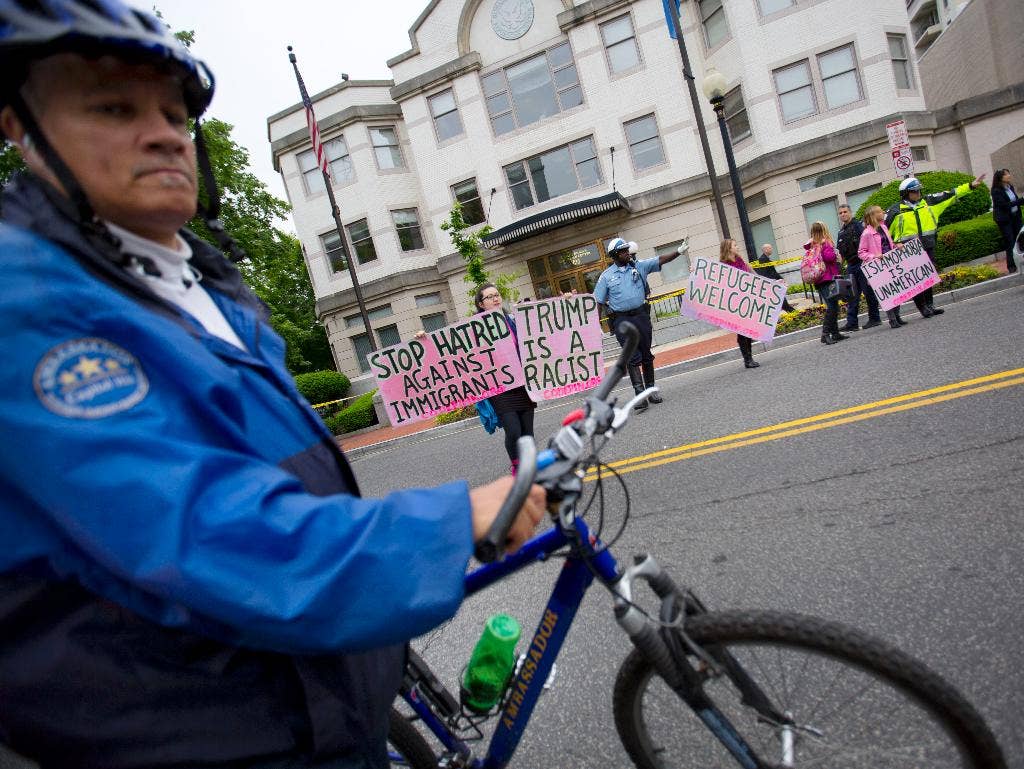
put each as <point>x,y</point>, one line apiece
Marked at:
<point>567,123</point>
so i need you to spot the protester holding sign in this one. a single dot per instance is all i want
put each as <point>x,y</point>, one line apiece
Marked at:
<point>875,240</point>
<point>729,253</point>
<point>514,407</point>
<point>915,217</point>
<point>821,248</point>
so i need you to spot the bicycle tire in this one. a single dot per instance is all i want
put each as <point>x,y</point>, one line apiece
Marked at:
<point>409,743</point>
<point>926,700</point>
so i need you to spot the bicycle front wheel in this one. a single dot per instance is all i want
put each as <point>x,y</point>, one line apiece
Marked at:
<point>849,700</point>
<point>406,746</point>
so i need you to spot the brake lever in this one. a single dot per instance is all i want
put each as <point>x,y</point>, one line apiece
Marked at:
<point>621,415</point>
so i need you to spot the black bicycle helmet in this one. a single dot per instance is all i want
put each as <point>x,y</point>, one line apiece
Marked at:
<point>33,29</point>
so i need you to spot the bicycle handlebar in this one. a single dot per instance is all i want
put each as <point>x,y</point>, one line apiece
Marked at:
<point>491,547</point>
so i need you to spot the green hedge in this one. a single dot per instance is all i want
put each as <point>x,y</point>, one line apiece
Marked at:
<point>357,415</point>
<point>455,416</point>
<point>973,239</point>
<point>969,206</point>
<point>322,386</point>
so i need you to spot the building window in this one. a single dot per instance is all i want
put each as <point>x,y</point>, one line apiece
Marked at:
<point>433,322</point>
<point>678,268</point>
<point>644,143</point>
<point>839,77</point>
<point>531,90</point>
<point>901,67</point>
<point>855,198</point>
<point>468,196</point>
<point>337,157</point>
<point>757,200</point>
<point>377,313</point>
<point>769,7</point>
<point>334,250</point>
<point>796,94</point>
<point>823,211</point>
<point>447,123</point>
<point>736,115</point>
<point>712,17</point>
<point>620,44</point>
<point>920,153</point>
<point>386,337</point>
<point>407,225</point>
<point>859,168</point>
<point>762,232</point>
<point>362,243</point>
<point>556,172</point>
<point>428,300</point>
<point>385,147</point>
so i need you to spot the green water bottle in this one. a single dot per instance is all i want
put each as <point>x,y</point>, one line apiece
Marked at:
<point>491,665</point>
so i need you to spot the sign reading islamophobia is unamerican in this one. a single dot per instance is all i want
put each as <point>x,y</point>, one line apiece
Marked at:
<point>900,274</point>
<point>739,301</point>
<point>447,369</point>
<point>560,345</point>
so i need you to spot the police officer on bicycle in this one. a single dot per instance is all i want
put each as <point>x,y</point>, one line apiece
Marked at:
<point>622,290</point>
<point>189,576</point>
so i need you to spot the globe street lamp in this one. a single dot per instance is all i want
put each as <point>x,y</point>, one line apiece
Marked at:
<point>714,88</point>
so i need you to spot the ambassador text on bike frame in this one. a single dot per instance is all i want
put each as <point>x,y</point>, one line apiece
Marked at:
<point>622,291</point>
<point>189,577</point>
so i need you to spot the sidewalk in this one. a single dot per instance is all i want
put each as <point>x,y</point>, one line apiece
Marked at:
<point>701,351</point>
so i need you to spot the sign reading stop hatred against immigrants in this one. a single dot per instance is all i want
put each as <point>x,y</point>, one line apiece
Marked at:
<point>730,298</point>
<point>900,274</point>
<point>560,345</point>
<point>447,369</point>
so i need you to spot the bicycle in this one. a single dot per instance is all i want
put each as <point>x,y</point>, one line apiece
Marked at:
<point>737,672</point>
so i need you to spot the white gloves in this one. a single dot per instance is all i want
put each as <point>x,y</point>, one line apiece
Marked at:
<point>684,247</point>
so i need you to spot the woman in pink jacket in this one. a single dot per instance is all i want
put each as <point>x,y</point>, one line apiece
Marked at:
<point>875,241</point>
<point>821,241</point>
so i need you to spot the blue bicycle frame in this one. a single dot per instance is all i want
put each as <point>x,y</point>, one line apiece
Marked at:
<point>547,640</point>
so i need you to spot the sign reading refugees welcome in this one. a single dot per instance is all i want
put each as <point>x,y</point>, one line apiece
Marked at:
<point>900,274</point>
<point>447,369</point>
<point>730,298</point>
<point>560,345</point>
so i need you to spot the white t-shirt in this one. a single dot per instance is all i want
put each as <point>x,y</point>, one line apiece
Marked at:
<point>178,282</point>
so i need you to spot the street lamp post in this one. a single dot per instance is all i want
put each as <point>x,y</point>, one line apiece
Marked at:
<point>714,88</point>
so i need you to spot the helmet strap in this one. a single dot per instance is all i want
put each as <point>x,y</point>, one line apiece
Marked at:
<point>210,211</point>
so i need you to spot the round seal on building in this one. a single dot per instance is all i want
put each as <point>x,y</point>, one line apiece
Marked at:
<point>89,378</point>
<point>511,19</point>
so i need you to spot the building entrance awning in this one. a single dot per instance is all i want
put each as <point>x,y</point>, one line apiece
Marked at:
<point>555,218</point>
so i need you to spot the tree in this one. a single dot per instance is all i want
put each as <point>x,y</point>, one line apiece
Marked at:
<point>470,246</point>
<point>10,162</point>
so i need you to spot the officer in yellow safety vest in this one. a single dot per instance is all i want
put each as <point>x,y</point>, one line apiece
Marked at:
<point>915,216</point>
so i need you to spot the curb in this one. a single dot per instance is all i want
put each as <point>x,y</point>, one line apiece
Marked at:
<point>992,286</point>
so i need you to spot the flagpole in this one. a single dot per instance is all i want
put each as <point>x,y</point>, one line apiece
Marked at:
<point>335,212</point>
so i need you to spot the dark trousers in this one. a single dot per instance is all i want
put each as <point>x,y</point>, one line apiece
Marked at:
<point>642,320</point>
<point>1009,232</point>
<point>860,286</point>
<point>926,298</point>
<point>830,325</point>
<point>746,346</point>
<point>515,424</point>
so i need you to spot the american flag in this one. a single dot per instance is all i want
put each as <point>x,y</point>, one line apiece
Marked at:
<point>314,129</point>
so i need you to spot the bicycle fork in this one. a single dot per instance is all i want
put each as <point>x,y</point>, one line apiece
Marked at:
<point>659,643</point>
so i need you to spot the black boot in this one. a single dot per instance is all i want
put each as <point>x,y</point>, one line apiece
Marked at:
<point>894,318</point>
<point>935,310</point>
<point>746,350</point>
<point>837,337</point>
<point>648,372</point>
<point>827,339</point>
<point>637,379</point>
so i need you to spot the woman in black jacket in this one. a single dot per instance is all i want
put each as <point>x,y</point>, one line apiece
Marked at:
<point>1006,205</point>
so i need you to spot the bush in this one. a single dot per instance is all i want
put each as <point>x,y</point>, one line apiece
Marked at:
<point>455,416</point>
<point>322,386</point>
<point>797,288</point>
<point>973,239</point>
<point>357,415</point>
<point>959,277</point>
<point>969,206</point>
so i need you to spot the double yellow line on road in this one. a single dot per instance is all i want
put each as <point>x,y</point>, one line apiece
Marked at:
<point>829,419</point>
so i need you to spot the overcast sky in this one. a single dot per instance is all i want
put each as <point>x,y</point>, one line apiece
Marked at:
<point>245,45</point>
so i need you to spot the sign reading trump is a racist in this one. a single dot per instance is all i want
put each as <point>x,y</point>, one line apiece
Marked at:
<point>447,369</point>
<point>560,345</point>
<point>900,274</point>
<point>730,298</point>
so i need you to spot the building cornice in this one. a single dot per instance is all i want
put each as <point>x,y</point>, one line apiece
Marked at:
<point>349,115</point>
<point>588,11</point>
<point>338,88</point>
<point>446,72</point>
<point>377,289</point>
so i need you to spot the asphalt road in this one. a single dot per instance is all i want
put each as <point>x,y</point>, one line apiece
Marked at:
<point>905,523</point>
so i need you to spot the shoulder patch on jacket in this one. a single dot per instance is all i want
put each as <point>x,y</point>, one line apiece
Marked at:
<point>89,378</point>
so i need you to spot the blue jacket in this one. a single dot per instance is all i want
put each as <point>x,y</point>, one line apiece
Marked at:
<point>188,572</point>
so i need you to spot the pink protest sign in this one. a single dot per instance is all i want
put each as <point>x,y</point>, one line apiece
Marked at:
<point>560,345</point>
<point>452,367</point>
<point>733,299</point>
<point>900,274</point>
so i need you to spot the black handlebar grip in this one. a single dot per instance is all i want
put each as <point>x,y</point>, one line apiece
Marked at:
<point>612,378</point>
<point>490,548</point>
